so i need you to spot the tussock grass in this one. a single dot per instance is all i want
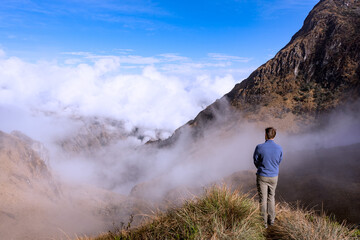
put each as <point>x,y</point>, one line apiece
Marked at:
<point>219,214</point>
<point>298,224</point>
<point>223,214</point>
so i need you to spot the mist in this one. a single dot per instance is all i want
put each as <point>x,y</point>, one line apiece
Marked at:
<point>224,148</point>
<point>137,171</point>
<point>126,162</point>
<point>93,114</point>
<point>97,137</point>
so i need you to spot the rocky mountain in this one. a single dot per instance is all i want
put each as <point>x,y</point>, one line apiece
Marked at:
<point>312,79</point>
<point>91,134</point>
<point>317,71</point>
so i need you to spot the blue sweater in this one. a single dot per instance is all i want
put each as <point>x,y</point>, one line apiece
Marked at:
<point>267,157</point>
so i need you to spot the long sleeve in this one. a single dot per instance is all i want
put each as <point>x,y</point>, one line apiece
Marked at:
<point>267,158</point>
<point>256,157</point>
<point>281,156</point>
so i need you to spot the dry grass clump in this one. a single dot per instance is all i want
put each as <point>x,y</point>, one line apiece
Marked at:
<point>223,214</point>
<point>298,224</point>
<point>219,214</point>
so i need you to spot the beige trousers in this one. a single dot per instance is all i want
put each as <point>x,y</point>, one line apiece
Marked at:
<point>266,189</point>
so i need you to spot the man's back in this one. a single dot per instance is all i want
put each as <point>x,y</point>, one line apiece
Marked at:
<point>267,157</point>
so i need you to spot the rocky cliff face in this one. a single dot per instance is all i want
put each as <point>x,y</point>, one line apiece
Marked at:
<point>318,70</point>
<point>93,133</point>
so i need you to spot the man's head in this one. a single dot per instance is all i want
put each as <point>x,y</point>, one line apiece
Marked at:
<point>270,133</point>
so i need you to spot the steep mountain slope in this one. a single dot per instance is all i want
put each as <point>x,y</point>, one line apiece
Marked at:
<point>22,167</point>
<point>36,204</point>
<point>318,70</point>
<point>24,179</point>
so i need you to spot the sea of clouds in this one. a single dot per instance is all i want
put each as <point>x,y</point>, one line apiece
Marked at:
<point>159,92</point>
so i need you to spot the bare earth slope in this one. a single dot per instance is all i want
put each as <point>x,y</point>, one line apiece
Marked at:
<point>34,204</point>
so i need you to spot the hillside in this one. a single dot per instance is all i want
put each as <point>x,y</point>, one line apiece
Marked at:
<point>36,204</point>
<point>23,167</point>
<point>222,214</point>
<point>317,71</point>
<point>308,82</point>
<point>314,75</point>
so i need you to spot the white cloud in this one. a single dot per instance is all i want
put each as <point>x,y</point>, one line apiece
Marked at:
<point>2,53</point>
<point>132,59</point>
<point>83,54</point>
<point>173,57</point>
<point>123,50</point>
<point>72,61</point>
<point>224,57</point>
<point>127,59</point>
<point>156,95</point>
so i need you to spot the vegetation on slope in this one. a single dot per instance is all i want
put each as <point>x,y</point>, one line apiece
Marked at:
<point>223,214</point>
<point>298,224</point>
<point>219,214</point>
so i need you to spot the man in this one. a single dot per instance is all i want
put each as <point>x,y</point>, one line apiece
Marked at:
<point>267,157</point>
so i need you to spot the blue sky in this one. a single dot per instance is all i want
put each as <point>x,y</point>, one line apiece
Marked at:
<point>252,29</point>
<point>153,64</point>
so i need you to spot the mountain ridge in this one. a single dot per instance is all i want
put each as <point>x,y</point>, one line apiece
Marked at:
<point>316,72</point>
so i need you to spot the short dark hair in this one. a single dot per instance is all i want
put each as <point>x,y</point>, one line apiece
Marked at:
<point>270,132</point>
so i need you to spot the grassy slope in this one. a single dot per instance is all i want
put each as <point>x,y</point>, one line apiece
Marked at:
<point>223,214</point>
<point>298,224</point>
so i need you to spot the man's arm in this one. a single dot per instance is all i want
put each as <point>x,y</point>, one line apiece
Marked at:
<point>281,155</point>
<point>256,157</point>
